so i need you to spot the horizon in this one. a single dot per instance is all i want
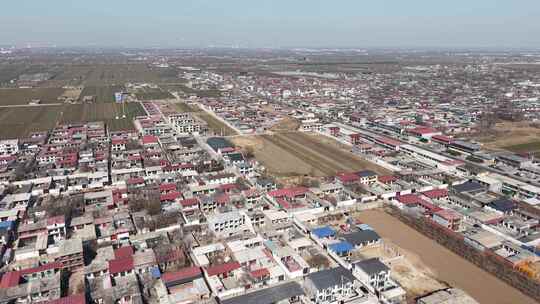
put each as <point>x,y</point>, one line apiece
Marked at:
<point>301,24</point>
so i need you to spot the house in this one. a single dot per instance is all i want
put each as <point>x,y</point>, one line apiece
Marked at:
<point>290,292</point>
<point>372,273</point>
<point>362,238</point>
<point>324,232</point>
<point>342,249</point>
<point>335,285</point>
<point>448,218</point>
<point>230,223</point>
<point>367,177</point>
<point>502,205</point>
<point>9,147</point>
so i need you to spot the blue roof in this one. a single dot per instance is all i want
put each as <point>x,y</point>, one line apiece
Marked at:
<point>364,227</point>
<point>503,205</point>
<point>155,272</point>
<point>7,225</point>
<point>366,173</point>
<point>323,232</point>
<point>341,247</point>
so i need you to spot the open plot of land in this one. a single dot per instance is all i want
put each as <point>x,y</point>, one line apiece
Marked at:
<point>216,125</point>
<point>106,112</point>
<point>446,266</point>
<point>286,124</point>
<point>114,73</point>
<point>277,160</point>
<point>513,136</point>
<point>19,122</point>
<point>198,93</point>
<point>23,96</point>
<point>152,94</point>
<point>530,147</point>
<point>406,268</point>
<point>183,107</point>
<point>297,153</point>
<point>102,94</point>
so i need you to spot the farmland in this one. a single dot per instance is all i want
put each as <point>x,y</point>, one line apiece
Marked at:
<point>20,121</point>
<point>214,124</point>
<point>152,94</point>
<point>183,107</point>
<point>108,74</point>
<point>106,112</point>
<point>22,96</point>
<point>102,94</point>
<point>296,153</point>
<point>532,147</point>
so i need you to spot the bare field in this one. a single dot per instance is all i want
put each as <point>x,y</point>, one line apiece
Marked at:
<point>106,112</point>
<point>286,124</point>
<point>214,124</point>
<point>406,268</point>
<point>21,121</point>
<point>102,94</point>
<point>447,267</point>
<point>277,160</point>
<point>296,153</point>
<point>510,136</point>
<point>183,107</point>
<point>23,96</point>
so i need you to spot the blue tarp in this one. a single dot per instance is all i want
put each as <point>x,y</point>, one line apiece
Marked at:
<point>342,247</point>
<point>7,225</point>
<point>324,232</point>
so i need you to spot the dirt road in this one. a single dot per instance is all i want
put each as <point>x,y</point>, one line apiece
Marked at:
<point>447,266</point>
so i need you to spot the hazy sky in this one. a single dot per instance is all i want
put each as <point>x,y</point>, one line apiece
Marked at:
<point>273,23</point>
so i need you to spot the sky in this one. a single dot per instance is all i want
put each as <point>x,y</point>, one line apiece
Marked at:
<point>273,23</point>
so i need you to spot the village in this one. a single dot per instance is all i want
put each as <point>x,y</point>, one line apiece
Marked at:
<point>274,189</point>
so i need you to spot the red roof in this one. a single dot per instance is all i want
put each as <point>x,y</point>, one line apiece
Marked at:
<point>188,202</point>
<point>436,193</point>
<point>388,141</point>
<point>149,139</point>
<point>409,199</point>
<point>289,192</point>
<point>73,299</point>
<point>228,187</point>
<point>135,180</point>
<point>222,269</point>
<point>123,252</point>
<point>442,138</point>
<point>182,274</point>
<point>10,279</point>
<point>348,177</point>
<point>120,265</point>
<point>167,187</point>
<point>260,273</point>
<point>171,196</point>
<point>387,178</point>
<point>449,215</point>
<point>422,130</point>
<point>118,141</point>
<point>221,199</point>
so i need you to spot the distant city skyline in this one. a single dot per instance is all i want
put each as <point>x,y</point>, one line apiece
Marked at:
<point>278,23</point>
